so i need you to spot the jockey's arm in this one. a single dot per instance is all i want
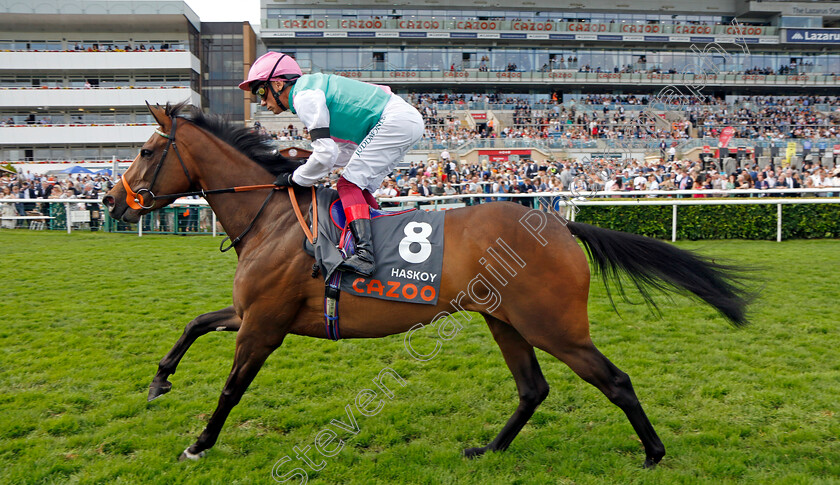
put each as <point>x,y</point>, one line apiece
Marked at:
<point>346,149</point>
<point>311,107</point>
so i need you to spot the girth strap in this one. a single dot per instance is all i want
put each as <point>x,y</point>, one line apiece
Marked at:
<point>331,296</point>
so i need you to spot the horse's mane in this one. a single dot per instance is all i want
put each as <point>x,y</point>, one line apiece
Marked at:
<point>255,145</point>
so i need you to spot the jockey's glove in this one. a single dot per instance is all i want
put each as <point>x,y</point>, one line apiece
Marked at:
<point>285,180</point>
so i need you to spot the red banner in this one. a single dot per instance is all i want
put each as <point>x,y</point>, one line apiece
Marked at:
<point>642,28</point>
<point>726,135</point>
<point>503,155</point>
<point>479,116</point>
<point>504,152</point>
<point>693,29</point>
<point>744,30</point>
<point>478,25</point>
<point>585,27</point>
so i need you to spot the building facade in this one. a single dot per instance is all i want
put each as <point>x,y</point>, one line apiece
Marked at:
<point>538,66</point>
<point>227,50</point>
<point>75,76</point>
<point>542,47</point>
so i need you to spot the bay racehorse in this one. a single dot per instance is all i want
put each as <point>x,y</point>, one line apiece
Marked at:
<point>542,303</point>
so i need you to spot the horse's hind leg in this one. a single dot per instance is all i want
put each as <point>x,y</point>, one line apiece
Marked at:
<point>530,383</point>
<point>593,367</point>
<point>252,348</point>
<point>221,320</point>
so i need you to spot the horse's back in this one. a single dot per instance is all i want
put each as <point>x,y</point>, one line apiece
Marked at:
<point>528,256</point>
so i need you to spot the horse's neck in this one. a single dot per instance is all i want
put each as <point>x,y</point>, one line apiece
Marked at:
<point>217,166</point>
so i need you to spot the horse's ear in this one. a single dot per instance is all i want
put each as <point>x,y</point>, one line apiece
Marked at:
<point>160,116</point>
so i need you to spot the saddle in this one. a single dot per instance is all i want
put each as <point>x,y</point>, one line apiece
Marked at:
<point>409,254</point>
<point>332,232</point>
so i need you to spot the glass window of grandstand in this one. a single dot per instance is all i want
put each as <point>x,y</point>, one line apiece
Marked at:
<point>30,45</point>
<point>524,60</point>
<point>225,100</point>
<point>801,22</point>
<point>278,12</point>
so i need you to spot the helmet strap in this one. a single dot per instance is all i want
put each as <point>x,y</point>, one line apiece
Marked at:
<point>276,95</point>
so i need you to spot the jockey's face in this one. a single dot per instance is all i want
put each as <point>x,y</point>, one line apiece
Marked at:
<point>267,99</point>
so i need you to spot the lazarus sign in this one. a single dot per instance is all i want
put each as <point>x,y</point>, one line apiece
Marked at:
<point>813,36</point>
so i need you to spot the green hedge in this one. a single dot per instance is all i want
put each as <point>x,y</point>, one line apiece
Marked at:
<point>718,221</point>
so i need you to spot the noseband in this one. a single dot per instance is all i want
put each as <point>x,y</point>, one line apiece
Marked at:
<point>135,200</point>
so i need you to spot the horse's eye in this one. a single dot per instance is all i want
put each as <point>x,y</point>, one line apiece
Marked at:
<point>145,153</point>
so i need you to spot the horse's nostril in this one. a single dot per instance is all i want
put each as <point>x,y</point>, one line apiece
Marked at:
<point>108,200</point>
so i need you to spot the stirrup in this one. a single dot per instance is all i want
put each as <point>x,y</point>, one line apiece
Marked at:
<point>358,265</point>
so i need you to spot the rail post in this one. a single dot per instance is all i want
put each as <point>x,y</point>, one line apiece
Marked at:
<point>674,224</point>
<point>779,222</point>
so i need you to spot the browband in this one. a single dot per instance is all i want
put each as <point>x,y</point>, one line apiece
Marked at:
<point>319,133</point>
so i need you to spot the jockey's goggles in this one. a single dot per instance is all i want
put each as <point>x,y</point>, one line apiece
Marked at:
<point>260,89</point>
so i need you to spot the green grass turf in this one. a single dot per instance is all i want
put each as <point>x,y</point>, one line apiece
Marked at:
<point>87,317</point>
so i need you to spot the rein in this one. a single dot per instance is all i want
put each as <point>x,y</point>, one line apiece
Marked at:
<point>136,201</point>
<point>309,233</point>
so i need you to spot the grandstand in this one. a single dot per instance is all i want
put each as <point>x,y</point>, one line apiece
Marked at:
<point>561,80</point>
<point>75,76</point>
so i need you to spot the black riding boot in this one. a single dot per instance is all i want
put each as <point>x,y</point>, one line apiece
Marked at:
<point>362,262</point>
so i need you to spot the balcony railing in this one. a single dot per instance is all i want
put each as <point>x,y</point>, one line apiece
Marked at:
<point>678,84</point>
<point>440,24</point>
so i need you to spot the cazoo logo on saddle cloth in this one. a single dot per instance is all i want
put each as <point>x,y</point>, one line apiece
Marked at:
<point>409,258</point>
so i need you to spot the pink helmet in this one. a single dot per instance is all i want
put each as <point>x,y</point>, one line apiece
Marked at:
<point>274,65</point>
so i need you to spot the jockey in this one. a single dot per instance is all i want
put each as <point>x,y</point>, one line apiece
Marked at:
<point>360,126</point>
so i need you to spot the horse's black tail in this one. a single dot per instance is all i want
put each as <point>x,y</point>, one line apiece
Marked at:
<point>653,264</point>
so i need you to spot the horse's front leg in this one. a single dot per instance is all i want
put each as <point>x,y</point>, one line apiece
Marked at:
<point>220,320</point>
<point>254,343</point>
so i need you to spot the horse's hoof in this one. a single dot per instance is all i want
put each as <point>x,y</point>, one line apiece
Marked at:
<point>186,455</point>
<point>651,462</point>
<point>158,389</point>
<point>475,452</point>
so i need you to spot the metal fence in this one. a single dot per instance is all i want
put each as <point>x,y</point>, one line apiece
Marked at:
<point>195,217</point>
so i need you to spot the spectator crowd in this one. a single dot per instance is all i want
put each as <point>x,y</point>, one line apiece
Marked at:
<point>600,175</point>
<point>611,117</point>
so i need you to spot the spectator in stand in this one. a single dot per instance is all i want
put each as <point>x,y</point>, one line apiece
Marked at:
<point>8,210</point>
<point>27,192</point>
<point>17,194</point>
<point>789,181</point>
<point>449,189</point>
<point>413,190</point>
<point>761,183</point>
<point>744,181</point>
<point>386,190</point>
<point>731,182</point>
<point>424,188</point>
<point>686,182</point>
<point>651,183</point>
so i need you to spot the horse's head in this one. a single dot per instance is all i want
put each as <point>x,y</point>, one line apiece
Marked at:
<point>158,169</point>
